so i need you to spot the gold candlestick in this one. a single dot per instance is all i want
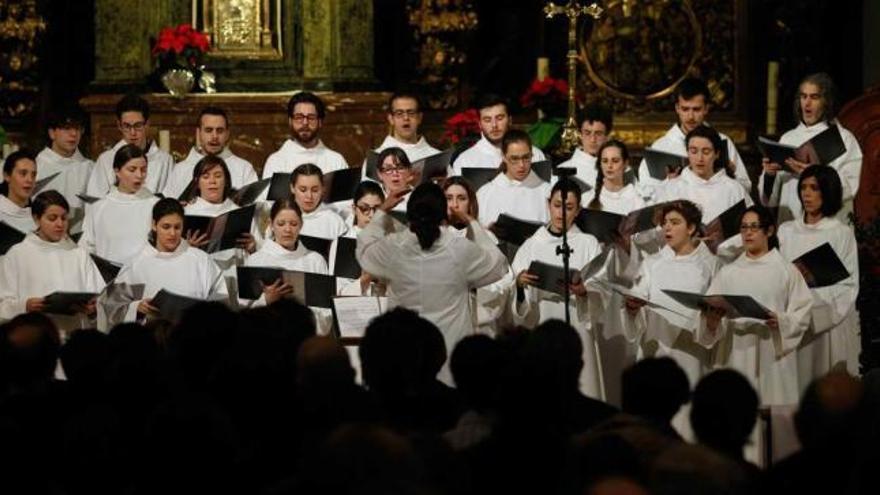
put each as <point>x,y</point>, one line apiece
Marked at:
<point>573,10</point>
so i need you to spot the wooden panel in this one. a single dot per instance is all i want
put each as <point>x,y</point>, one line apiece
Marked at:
<point>862,117</point>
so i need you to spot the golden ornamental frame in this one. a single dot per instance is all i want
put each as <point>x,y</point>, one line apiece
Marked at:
<point>240,29</point>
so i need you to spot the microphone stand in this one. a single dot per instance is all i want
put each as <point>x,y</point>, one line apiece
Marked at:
<point>565,250</point>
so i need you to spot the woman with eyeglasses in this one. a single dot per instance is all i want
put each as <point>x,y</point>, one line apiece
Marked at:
<point>19,177</point>
<point>116,227</point>
<point>516,191</point>
<point>307,189</point>
<point>368,197</point>
<point>490,305</point>
<point>532,305</point>
<point>395,172</point>
<point>612,193</point>
<point>762,350</point>
<point>832,340</point>
<point>168,262</point>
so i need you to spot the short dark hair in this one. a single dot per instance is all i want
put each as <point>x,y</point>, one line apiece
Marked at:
<point>127,153</point>
<point>212,110</point>
<point>597,113</point>
<point>204,165</point>
<point>487,100</point>
<point>366,188</point>
<point>829,186</point>
<point>45,199</point>
<point>306,97</point>
<point>687,209</point>
<point>691,87</point>
<point>566,187</point>
<point>828,90</point>
<point>397,95</point>
<point>398,153</point>
<point>132,103</point>
<point>766,220</point>
<point>10,163</point>
<point>66,117</point>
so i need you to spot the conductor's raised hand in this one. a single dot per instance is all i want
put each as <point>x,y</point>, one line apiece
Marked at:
<point>459,217</point>
<point>394,199</point>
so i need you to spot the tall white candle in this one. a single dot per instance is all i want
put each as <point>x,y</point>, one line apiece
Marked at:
<point>543,68</point>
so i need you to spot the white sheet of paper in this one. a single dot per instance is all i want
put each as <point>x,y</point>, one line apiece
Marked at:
<point>355,313</point>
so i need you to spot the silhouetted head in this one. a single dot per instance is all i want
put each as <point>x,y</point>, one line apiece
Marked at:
<point>724,410</point>
<point>654,388</point>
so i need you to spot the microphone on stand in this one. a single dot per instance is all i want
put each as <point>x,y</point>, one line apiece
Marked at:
<point>564,174</point>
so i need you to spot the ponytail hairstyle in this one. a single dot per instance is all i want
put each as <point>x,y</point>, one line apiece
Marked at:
<point>45,199</point>
<point>458,180</point>
<point>510,137</point>
<point>206,164</point>
<point>596,203</point>
<point>426,211</point>
<point>712,135</point>
<point>305,170</point>
<point>162,208</point>
<point>284,204</point>
<point>691,212</point>
<point>767,222</point>
<point>9,165</point>
<point>126,154</point>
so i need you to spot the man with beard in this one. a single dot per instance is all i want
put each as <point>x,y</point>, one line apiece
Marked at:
<point>133,120</point>
<point>305,114</point>
<point>212,138</point>
<point>494,123</point>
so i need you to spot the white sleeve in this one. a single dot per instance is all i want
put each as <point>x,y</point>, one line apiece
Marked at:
<point>372,253</point>
<point>11,303</point>
<point>485,263</point>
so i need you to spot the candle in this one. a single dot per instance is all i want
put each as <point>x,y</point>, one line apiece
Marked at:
<point>165,140</point>
<point>543,68</point>
<point>772,96</point>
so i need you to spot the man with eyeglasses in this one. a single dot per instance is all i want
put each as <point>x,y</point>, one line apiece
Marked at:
<point>305,115</point>
<point>404,117</point>
<point>692,104</point>
<point>133,120</point>
<point>212,138</point>
<point>62,157</point>
<point>595,126</point>
<point>495,121</point>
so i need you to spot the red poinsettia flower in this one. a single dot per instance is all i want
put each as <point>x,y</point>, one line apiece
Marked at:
<point>181,40</point>
<point>546,93</point>
<point>462,125</point>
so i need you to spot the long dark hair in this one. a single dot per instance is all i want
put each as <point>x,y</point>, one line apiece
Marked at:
<point>458,180</point>
<point>205,165</point>
<point>712,135</point>
<point>426,211</point>
<point>9,165</point>
<point>596,203</point>
<point>164,207</point>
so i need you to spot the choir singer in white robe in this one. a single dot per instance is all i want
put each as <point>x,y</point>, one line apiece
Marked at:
<point>48,261</point>
<point>19,176</point>
<point>611,192</point>
<point>368,197</point>
<point>133,120</point>
<point>212,138</point>
<point>307,189</point>
<point>762,350</point>
<point>533,305</point>
<point>832,340</point>
<point>429,269</point>
<point>815,110</point>
<point>516,190</point>
<point>595,127</point>
<point>168,262</point>
<point>404,117</point>
<point>116,227</point>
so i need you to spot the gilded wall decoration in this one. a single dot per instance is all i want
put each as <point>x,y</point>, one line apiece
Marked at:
<point>241,28</point>
<point>21,32</point>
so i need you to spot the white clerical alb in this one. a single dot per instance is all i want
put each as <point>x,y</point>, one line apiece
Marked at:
<point>72,179</point>
<point>117,226</point>
<point>323,222</point>
<point>620,202</point>
<point>15,216</point>
<point>103,177</point>
<point>849,166</point>
<point>37,268</point>
<point>526,200</point>
<point>833,337</point>
<point>414,151</point>
<point>584,165</point>
<point>292,154</point>
<point>240,171</point>
<point>714,196</point>
<point>539,305</point>
<point>674,142</point>
<point>484,154</point>
<point>766,357</point>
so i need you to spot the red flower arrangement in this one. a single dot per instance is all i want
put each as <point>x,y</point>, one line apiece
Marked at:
<point>545,94</point>
<point>184,42</point>
<point>462,125</point>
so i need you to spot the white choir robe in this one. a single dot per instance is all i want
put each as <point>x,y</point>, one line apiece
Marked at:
<point>186,271</point>
<point>323,222</point>
<point>15,216</point>
<point>832,340</point>
<point>766,357</point>
<point>674,141</point>
<point>274,255</point>
<point>37,268</point>
<point>241,172</point>
<point>484,154</point>
<point>434,282</point>
<point>538,305</point>
<point>491,304</point>
<point>525,200</point>
<point>103,177</point>
<point>116,227</point>
<point>227,259</point>
<point>714,196</point>
<point>292,154</point>
<point>414,151</point>
<point>72,180</point>
<point>584,165</point>
<point>785,187</point>
<point>620,202</point>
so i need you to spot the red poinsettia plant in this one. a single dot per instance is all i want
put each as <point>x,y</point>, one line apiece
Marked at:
<point>461,126</point>
<point>182,44</point>
<point>546,94</point>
